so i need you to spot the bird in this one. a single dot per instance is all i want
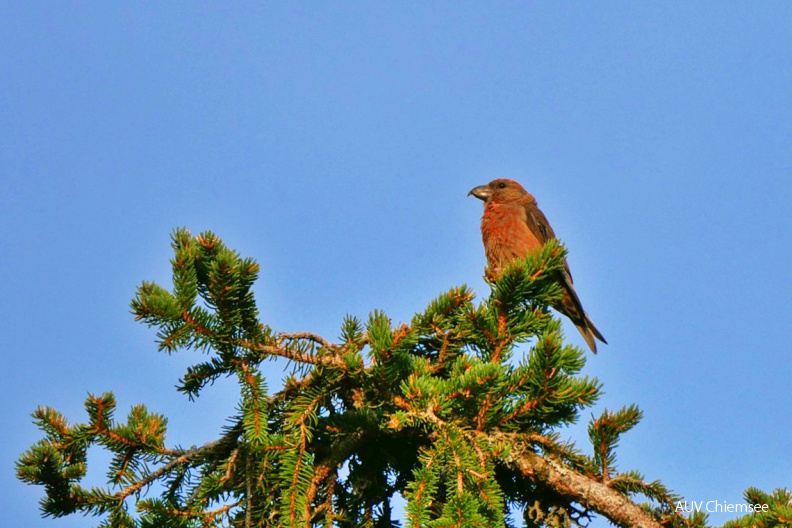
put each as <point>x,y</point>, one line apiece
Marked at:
<point>514,227</point>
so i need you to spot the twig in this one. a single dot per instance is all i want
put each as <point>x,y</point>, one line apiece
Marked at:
<point>303,357</point>
<point>582,489</point>
<point>188,454</point>
<point>307,336</point>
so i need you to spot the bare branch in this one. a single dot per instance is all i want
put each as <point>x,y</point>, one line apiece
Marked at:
<point>307,336</point>
<point>582,489</point>
<point>188,454</point>
<point>303,357</point>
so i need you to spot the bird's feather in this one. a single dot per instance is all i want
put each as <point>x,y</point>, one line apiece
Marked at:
<point>513,227</point>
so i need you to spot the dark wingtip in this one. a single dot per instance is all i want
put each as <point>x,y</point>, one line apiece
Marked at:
<point>588,336</point>
<point>589,332</point>
<point>593,330</point>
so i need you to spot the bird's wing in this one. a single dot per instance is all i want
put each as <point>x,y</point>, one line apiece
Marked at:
<point>540,227</point>
<point>537,222</point>
<point>570,303</point>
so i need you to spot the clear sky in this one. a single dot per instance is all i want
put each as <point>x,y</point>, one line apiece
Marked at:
<point>336,142</point>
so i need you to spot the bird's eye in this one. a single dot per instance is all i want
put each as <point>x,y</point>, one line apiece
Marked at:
<point>501,185</point>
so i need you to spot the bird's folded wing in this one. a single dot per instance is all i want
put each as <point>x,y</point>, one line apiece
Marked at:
<point>540,227</point>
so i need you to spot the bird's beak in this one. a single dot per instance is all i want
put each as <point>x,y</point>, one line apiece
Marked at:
<point>482,192</point>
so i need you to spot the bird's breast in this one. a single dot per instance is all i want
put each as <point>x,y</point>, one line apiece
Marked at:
<point>506,235</point>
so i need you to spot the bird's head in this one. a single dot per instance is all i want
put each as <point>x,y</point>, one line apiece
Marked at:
<point>499,191</point>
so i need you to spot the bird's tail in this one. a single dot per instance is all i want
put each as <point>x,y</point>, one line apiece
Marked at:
<point>589,332</point>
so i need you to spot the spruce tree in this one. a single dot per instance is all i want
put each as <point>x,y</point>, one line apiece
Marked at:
<point>459,411</point>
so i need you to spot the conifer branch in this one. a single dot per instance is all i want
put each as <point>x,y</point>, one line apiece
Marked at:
<point>322,472</point>
<point>208,516</point>
<point>307,336</point>
<point>441,412</point>
<point>249,490</point>
<point>182,459</point>
<point>302,357</point>
<point>334,359</point>
<point>582,489</point>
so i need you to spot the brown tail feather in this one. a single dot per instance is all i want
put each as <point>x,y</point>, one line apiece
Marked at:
<point>589,332</point>
<point>588,336</point>
<point>571,307</point>
<point>593,330</point>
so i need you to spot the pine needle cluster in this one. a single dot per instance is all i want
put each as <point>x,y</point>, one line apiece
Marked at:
<point>458,411</point>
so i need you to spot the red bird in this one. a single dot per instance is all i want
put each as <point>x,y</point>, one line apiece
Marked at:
<point>513,227</point>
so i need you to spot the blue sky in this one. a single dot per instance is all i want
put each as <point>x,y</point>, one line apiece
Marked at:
<point>335,143</point>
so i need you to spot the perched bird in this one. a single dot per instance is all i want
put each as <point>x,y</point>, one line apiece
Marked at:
<point>513,227</point>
